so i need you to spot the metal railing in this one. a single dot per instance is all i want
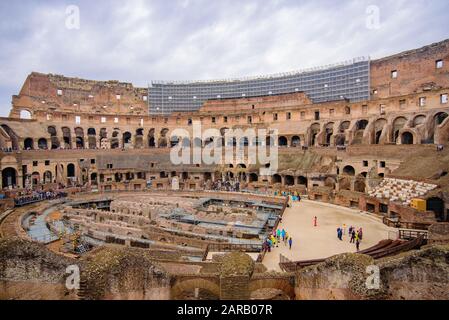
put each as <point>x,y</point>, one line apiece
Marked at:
<point>406,234</point>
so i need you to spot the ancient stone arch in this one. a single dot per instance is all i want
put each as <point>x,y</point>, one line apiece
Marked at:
<point>26,114</point>
<point>329,132</point>
<point>55,143</point>
<point>138,138</point>
<point>79,137</point>
<point>296,141</point>
<point>360,185</point>
<point>419,120</point>
<point>302,180</point>
<point>379,127</point>
<point>28,144</point>
<point>349,170</point>
<point>359,131</point>
<point>12,136</point>
<point>345,183</point>
<point>48,176</point>
<point>398,124</point>
<point>127,139</point>
<point>282,141</point>
<point>151,138</point>
<point>42,144</point>
<point>67,137</point>
<point>330,182</point>
<point>9,177</point>
<point>276,179</point>
<point>163,142</point>
<point>282,284</point>
<point>289,180</point>
<point>407,137</point>
<point>253,177</point>
<point>181,287</point>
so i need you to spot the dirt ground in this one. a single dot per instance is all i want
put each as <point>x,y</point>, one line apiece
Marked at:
<point>311,242</point>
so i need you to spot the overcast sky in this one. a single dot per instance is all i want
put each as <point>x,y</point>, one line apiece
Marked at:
<point>139,41</point>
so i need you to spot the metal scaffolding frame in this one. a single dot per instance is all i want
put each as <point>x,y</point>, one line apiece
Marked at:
<point>348,80</point>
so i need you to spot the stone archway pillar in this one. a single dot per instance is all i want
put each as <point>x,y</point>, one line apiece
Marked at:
<point>353,183</point>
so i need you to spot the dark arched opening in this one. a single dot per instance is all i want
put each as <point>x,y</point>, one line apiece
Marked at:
<point>9,177</point>
<point>42,144</point>
<point>277,179</point>
<point>407,138</point>
<point>283,141</point>
<point>71,170</point>
<point>289,180</point>
<point>28,144</point>
<point>436,205</point>
<point>126,139</point>
<point>302,180</point>
<point>349,170</point>
<point>253,177</point>
<point>296,141</point>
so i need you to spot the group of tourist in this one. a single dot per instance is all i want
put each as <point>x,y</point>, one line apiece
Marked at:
<point>35,196</point>
<point>8,150</point>
<point>277,237</point>
<point>228,185</point>
<point>355,235</point>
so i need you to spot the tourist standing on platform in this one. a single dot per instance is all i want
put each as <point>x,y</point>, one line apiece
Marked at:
<point>340,234</point>
<point>360,234</point>
<point>353,235</point>
<point>275,242</point>
<point>357,242</point>
<point>290,242</point>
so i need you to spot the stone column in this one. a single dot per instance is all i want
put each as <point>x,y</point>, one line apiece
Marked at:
<point>352,184</point>
<point>145,141</point>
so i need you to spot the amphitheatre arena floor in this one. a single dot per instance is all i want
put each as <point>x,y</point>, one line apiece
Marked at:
<point>311,242</point>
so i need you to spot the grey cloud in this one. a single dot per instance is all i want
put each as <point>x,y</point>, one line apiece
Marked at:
<point>139,41</point>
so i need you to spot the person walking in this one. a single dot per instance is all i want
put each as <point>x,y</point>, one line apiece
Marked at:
<point>344,229</point>
<point>315,222</point>
<point>290,242</point>
<point>353,235</point>
<point>283,234</point>
<point>357,244</point>
<point>360,234</point>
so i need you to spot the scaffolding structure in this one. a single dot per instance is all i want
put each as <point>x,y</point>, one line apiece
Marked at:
<point>344,81</point>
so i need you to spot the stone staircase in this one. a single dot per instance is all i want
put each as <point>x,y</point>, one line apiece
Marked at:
<point>82,292</point>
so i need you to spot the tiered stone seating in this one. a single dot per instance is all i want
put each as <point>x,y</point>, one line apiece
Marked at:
<point>401,190</point>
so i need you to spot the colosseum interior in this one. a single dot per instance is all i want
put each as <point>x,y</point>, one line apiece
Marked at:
<point>88,181</point>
